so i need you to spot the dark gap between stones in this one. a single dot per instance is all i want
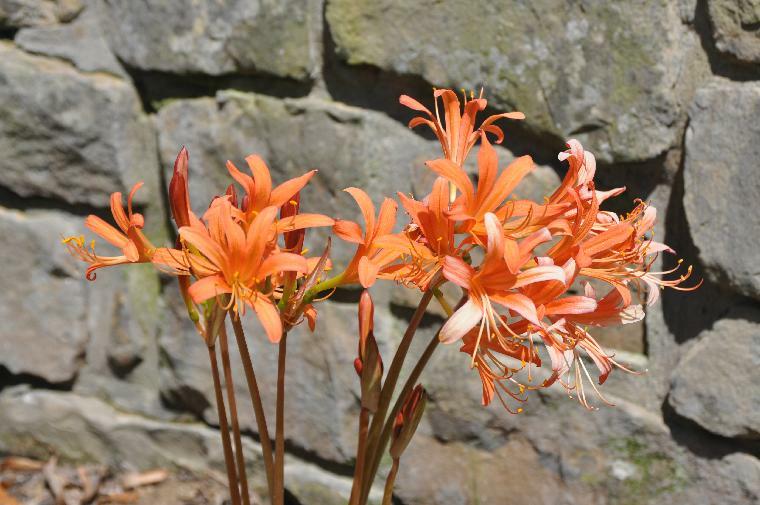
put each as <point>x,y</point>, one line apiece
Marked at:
<point>9,379</point>
<point>369,87</point>
<point>12,200</point>
<point>156,88</point>
<point>722,64</point>
<point>702,442</point>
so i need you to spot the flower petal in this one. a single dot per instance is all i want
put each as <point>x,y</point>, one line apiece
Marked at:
<point>208,287</point>
<point>282,262</point>
<point>367,272</point>
<point>106,231</point>
<point>456,175</point>
<point>301,221</point>
<point>571,305</point>
<point>540,274</point>
<point>245,180</point>
<point>413,104</point>
<point>457,271</point>
<point>269,317</point>
<point>367,209</point>
<point>201,240</point>
<point>460,322</point>
<point>262,181</point>
<point>518,303</point>
<point>285,191</point>
<point>348,231</point>
<point>386,219</point>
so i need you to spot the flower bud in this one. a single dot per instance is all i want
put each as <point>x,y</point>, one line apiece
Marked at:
<point>407,420</point>
<point>293,239</point>
<point>179,199</point>
<point>369,363</point>
<point>366,320</point>
<point>371,374</point>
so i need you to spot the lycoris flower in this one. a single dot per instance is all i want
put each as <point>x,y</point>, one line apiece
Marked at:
<point>492,189</point>
<point>259,193</point>
<point>459,134</point>
<point>493,282</point>
<point>135,247</point>
<point>242,262</point>
<point>369,258</point>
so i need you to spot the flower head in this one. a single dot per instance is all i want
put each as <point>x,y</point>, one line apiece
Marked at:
<point>128,237</point>
<point>368,258</point>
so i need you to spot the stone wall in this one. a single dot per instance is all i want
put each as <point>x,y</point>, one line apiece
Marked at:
<point>97,94</point>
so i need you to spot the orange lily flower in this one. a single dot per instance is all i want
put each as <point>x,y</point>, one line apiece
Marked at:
<point>259,195</point>
<point>492,282</point>
<point>426,242</point>
<point>459,135</point>
<point>135,247</point>
<point>492,190</point>
<point>368,258</point>
<point>496,374</point>
<point>243,260</point>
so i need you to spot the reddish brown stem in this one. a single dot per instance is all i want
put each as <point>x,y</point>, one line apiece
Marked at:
<point>233,414</point>
<point>224,429</point>
<point>389,482</point>
<point>372,464</point>
<point>279,440</point>
<point>258,407</point>
<point>361,448</point>
<point>373,448</point>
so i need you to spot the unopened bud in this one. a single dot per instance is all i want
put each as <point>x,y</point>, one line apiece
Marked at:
<point>366,319</point>
<point>179,201</point>
<point>407,420</point>
<point>293,239</point>
<point>370,369</point>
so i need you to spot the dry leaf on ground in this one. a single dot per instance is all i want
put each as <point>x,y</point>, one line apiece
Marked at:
<point>148,478</point>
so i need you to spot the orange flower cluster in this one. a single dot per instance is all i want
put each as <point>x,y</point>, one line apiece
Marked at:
<point>243,252</point>
<point>521,264</point>
<point>532,256</point>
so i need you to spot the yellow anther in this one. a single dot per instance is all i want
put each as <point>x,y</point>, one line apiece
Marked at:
<point>293,203</point>
<point>519,410</point>
<point>305,251</point>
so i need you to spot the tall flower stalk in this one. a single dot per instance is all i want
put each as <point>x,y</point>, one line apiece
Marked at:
<point>524,270</point>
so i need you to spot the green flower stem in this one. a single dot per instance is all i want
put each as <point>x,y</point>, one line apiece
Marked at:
<point>325,285</point>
